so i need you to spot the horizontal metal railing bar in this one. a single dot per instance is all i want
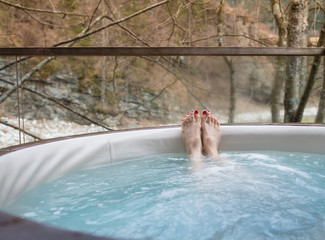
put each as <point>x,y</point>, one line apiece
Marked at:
<point>161,51</point>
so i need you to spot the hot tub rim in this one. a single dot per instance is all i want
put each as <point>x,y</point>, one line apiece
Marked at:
<point>14,227</point>
<point>18,147</point>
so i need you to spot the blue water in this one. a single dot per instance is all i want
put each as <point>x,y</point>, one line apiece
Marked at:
<point>246,195</point>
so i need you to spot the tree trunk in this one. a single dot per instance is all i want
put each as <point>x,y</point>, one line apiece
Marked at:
<point>232,107</point>
<point>280,74</point>
<point>220,22</point>
<point>277,97</point>
<point>104,62</point>
<point>229,61</point>
<point>321,106</point>
<point>297,37</point>
<point>311,79</point>
<point>103,82</point>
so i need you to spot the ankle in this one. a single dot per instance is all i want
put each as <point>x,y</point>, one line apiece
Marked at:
<point>214,154</point>
<point>211,152</point>
<point>196,155</point>
<point>195,152</point>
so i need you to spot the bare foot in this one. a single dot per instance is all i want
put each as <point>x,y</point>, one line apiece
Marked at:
<point>210,134</point>
<point>191,135</point>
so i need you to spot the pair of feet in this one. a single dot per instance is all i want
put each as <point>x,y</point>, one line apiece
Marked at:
<point>201,134</point>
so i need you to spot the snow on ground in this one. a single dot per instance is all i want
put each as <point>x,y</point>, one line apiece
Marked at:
<point>41,128</point>
<point>265,116</point>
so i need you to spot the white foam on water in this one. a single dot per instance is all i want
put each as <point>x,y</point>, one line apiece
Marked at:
<point>243,195</point>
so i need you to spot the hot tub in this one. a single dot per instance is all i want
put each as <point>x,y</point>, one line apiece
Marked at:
<point>24,167</point>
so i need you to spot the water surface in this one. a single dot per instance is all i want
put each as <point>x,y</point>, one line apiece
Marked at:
<point>245,195</point>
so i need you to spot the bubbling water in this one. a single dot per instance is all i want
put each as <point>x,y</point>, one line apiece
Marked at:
<point>243,195</point>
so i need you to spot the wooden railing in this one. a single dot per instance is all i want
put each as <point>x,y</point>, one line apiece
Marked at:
<point>161,51</point>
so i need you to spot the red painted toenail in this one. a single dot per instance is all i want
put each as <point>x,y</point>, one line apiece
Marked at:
<point>204,112</point>
<point>187,114</point>
<point>196,112</point>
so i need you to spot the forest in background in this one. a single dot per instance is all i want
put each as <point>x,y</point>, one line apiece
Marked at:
<point>124,92</point>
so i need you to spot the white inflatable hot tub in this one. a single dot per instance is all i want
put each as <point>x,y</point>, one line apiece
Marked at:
<point>24,167</point>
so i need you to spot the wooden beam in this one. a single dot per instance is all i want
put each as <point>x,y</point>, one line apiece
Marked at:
<point>161,51</point>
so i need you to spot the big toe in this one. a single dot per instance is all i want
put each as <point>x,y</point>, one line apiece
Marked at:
<point>206,116</point>
<point>197,116</point>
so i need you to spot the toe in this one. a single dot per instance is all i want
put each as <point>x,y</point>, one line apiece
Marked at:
<point>197,115</point>
<point>191,116</point>
<point>188,117</point>
<point>204,116</point>
<point>183,121</point>
<point>209,117</point>
<point>217,121</point>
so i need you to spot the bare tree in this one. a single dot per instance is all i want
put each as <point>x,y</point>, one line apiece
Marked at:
<point>179,26</point>
<point>229,62</point>
<point>103,75</point>
<point>281,22</point>
<point>311,79</point>
<point>87,31</point>
<point>320,117</point>
<point>297,37</point>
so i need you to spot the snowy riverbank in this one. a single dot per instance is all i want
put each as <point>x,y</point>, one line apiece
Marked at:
<point>43,129</point>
